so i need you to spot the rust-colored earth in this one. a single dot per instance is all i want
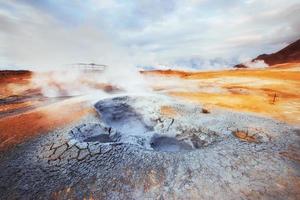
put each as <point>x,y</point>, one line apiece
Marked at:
<point>25,112</point>
<point>271,92</point>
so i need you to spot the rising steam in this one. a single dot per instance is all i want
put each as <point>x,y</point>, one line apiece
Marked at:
<point>51,49</point>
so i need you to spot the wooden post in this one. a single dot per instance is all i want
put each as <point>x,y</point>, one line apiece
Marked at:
<point>274,98</point>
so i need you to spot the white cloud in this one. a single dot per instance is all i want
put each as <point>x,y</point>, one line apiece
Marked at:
<point>143,32</point>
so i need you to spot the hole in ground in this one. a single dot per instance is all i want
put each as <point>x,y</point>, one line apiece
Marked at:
<point>169,144</point>
<point>135,127</point>
<point>103,138</point>
<point>116,113</point>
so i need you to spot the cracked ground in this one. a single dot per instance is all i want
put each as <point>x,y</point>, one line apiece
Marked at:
<point>158,148</point>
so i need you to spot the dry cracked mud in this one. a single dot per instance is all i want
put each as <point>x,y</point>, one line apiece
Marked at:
<point>132,151</point>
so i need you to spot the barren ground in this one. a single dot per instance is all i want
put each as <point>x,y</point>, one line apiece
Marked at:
<point>209,135</point>
<point>272,92</point>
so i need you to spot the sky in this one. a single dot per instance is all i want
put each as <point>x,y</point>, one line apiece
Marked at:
<point>201,34</point>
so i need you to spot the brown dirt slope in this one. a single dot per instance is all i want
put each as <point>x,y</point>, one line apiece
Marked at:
<point>289,54</point>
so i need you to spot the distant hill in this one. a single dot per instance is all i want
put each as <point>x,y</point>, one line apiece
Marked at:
<point>14,76</point>
<point>289,54</point>
<point>14,72</point>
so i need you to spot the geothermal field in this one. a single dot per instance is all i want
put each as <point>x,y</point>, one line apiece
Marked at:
<point>189,135</point>
<point>150,99</point>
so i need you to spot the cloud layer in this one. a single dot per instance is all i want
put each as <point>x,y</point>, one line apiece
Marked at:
<point>146,32</point>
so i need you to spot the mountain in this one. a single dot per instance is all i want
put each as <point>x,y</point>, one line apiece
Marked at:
<point>289,54</point>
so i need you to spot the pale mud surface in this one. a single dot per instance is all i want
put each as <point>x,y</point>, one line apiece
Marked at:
<point>133,151</point>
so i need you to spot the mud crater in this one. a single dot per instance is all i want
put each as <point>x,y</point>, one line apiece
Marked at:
<point>122,122</point>
<point>169,144</point>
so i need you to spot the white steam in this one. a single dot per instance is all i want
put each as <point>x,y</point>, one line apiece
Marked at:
<point>49,46</point>
<point>256,64</point>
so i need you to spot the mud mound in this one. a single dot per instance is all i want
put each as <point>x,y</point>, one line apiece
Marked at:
<point>149,129</point>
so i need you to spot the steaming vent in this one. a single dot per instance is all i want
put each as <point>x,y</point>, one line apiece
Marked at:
<point>123,121</point>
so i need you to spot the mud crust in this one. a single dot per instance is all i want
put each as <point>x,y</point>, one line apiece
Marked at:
<point>96,158</point>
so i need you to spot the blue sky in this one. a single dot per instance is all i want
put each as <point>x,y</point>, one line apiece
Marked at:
<point>198,33</point>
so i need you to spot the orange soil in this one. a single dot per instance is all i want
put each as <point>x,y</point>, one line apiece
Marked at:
<point>168,111</point>
<point>246,90</point>
<point>14,76</point>
<point>167,73</point>
<point>13,84</point>
<point>14,106</point>
<point>244,136</point>
<point>18,128</point>
<point>274,73</point>
<point>42,116</point>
